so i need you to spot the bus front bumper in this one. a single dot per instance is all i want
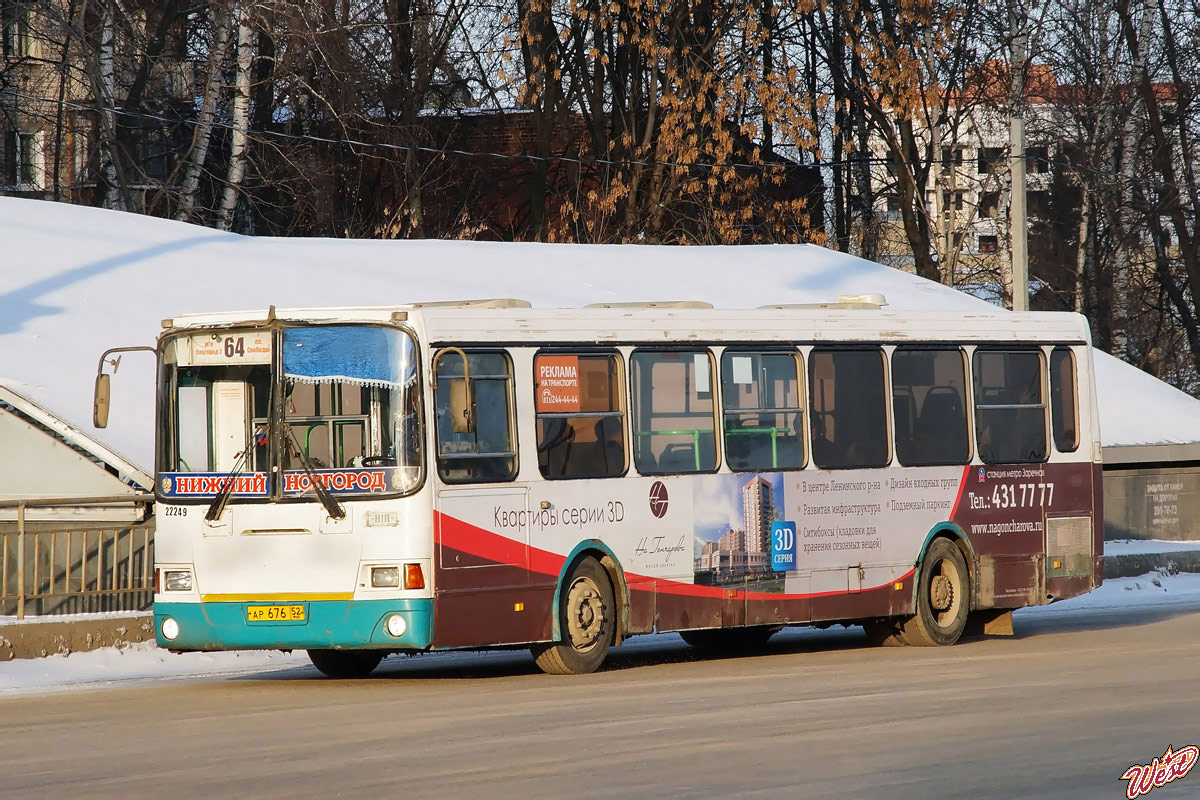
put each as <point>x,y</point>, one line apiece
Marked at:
<point>341,624</point>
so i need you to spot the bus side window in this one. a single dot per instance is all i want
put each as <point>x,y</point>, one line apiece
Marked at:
<point>1010,406</point>
<point>1064,406</point>
<point>764,428</point>
<point>928,387</point>
<point>674,416</point>
<point>487,453</point>
<point>580,415</point>
<point>848,408</point>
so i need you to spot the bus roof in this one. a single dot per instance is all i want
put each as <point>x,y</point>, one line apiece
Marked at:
<point>476,322</point>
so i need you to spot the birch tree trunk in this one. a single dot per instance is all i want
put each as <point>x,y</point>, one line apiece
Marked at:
<point>105,95</point>
<point>202,133</point>
<point>1126,169</point>
<point>240,118</point>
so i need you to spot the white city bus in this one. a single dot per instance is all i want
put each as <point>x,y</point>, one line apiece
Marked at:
<point>365,481</point>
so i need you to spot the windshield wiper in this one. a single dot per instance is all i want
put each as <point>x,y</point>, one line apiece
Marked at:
<point>332,506</point>
<point>217,507</point>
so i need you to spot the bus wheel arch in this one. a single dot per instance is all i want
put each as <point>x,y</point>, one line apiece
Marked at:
<point>593,548</point>
<point>585,616</point>
<point>954,534</point>
<point>943,596</point>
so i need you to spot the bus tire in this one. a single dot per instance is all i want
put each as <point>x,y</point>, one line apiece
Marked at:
<point>345,663</point>
<point>884,633</point>
<point>586,619</point>
<point>730,640</point>
<point>943,598</point>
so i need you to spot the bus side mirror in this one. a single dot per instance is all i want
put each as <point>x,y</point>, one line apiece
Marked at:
<point>100,401</point>
<point>461,418</point>
<point>101,397</point>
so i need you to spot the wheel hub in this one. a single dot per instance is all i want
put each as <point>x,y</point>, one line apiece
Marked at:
<point>585,614</point>
<point>941,593</point>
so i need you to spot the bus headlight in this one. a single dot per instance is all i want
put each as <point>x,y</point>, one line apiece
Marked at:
<point>385,577</point>
<point>177,580</point>
<point>396,625</point>
<point>170,629</point>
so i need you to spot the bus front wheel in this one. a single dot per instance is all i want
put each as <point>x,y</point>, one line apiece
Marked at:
<point>586,620</point>
<point>345,663</point>
<point>943,598</point>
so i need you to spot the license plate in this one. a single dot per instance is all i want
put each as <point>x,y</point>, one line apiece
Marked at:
<point>291,613</point>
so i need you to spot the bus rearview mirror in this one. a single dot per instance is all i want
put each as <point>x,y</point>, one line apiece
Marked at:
<point>461,419</point>
<point>100,401</point>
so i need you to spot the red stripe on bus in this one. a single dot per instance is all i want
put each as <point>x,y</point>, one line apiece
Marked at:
<point>482,543</point>
<point>962,485</point>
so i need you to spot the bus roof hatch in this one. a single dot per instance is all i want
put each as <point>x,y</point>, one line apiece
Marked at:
<point>492,302</point>
<point>655,304</point>
<point>874,300</point>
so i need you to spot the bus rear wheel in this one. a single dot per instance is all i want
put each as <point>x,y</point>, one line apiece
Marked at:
<point>943,598</point>
<point>586,621</point>
<point>730,640</point>
<point>345,663</point>
<point>884,633</point>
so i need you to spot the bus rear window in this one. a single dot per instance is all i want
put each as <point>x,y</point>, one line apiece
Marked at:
<point>1063,403</point>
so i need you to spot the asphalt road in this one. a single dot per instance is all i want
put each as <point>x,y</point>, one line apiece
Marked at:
<point>1061,710</point>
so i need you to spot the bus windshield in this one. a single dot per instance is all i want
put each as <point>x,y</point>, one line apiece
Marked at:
<point>349,413</point>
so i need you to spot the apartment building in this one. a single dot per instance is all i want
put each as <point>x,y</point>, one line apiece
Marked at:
<point>64,74</point>
<point>967,197</point>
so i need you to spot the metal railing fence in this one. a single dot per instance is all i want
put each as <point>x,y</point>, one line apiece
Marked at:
<point>70,567</point>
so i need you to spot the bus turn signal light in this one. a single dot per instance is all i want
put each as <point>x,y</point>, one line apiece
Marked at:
<point>413,577</point>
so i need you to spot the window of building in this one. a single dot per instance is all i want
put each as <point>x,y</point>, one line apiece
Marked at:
<point>1064,404</point>
<point>952,156</point>
<point>580,416</point>
<point>82,144</point>
<point>848,408</point>
<point>158,151</point>
<point>14,19</point>
<point>988,244</point>
<point>1010,406</point>
<point>990,159</point>
<point>1038,204</point>
<point>23,160</point>
<point>989,205</point>
<point>928,391</point>
<point>1037,159</point>
<point>674,416</point>
<point>487,453</point>
<point>763,412</point>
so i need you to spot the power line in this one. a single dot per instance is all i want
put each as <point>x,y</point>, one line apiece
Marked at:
<point>562,159</point>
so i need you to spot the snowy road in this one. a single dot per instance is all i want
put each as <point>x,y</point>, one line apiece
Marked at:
<point>1086,689</point>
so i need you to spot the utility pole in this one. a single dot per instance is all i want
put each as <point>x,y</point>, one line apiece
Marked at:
<point>1016,163</point>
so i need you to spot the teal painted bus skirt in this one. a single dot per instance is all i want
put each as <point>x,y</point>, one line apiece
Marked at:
<point>327,624</point>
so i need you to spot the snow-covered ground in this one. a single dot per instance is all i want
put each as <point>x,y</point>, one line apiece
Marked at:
<point>116,667</point>
<point>1129,547</point>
